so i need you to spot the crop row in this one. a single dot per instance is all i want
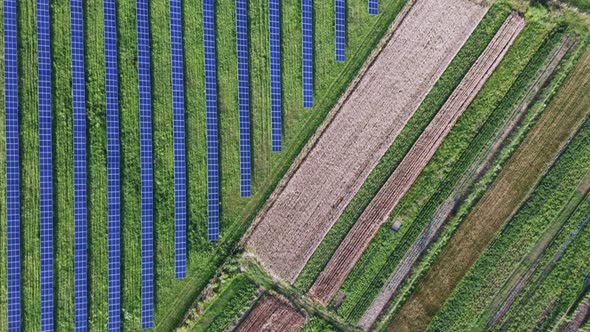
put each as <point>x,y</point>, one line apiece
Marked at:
<point>432,103</point>
<point>482,184</point>
<point>485,137</point>
<point>416,208</point>
<point>558,285</point>
<point>478,287</point>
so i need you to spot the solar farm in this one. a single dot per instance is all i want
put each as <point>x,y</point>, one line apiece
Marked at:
<point>202,165</point>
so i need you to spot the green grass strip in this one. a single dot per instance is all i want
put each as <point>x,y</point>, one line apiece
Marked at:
<point>484,138</point>
<point>477,288</point>
<point>234,300</point>
<point>386,242</point>
<point>435,99</point>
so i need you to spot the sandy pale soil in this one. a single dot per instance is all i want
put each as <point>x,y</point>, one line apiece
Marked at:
<point>272,314</point>
<point>358,136</point>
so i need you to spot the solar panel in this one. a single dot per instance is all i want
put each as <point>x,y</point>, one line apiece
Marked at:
<point>276,117</point>
<point>179,136</point>
<point>80,227</point>
<point>373,7</point>
<point>243,97</point>
<point>12,167</point>
<point>307,36</point>
<point>45,165</point>
<point>211,115</point>
<point>147,177</point>
<point>113,158</point>
<point>340,23</point>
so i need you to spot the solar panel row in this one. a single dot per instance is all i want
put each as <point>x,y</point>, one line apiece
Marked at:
<point>243,97</point>
<point>80,227</point>
<point>276,117</point>
<point>179,136</point>
<point>12,166</point>
<point>211,115</point>
<point>373,7</point>
<point>113,159</point>
<point>307,36</point>
<point>45,165</point>
<point>147,178</point>
<point>340,23</point>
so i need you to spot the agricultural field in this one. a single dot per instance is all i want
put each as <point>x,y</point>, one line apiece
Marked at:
<point>440,182</point>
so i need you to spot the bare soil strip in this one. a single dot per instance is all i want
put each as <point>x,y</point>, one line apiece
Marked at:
<point>556,126</point>
<point>376,213</point>
<point>272,314</point>
<point>360,133</point>
<point>481,165</point>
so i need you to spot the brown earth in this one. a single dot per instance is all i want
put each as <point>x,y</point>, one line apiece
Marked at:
<point>369,120</point>
<point>376,213</point>
<point>552,132</point>
<point>272,314</point>
<point>479,167</point>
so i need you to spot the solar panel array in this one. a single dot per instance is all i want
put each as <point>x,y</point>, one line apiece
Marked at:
<point>340,23</point>
<point>80,208</point>
<point>373,7</point>
<point>211,115</point>
<point>276,117</point>
<point>307,34</point>
<point>113,163</point>
<point>45,164</point>
<point>12,166</point>
<point>179,136</point>
<point>243,97</point>
<point>147,175</point>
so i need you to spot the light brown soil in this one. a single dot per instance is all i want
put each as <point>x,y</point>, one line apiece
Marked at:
<point>272,314</point>
<point>529,162</point>
<point>376,213</point>
<point>363,129</point>
<point>481,165</point>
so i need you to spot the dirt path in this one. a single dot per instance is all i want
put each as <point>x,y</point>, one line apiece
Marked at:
<point>360,133</point>
<point>480,166</point>
<point>272,314</point>
<point>558,123</point>
<point>413,163</point>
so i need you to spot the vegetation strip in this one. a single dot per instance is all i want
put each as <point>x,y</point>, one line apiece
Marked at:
<point>365,126</point>
<point>478,166</point>
<point>402,178</point>
<point>468,54</point>
<point>510,188</point>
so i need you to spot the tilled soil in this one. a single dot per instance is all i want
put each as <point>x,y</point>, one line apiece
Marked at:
<point>272,314</point>
<point>444,211</point>
<point>528,163</point>
<point>376,213</point>
<point>361,132</point>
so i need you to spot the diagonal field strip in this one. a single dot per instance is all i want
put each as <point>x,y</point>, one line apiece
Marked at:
<point>360,133</point>
<point>402,178</point>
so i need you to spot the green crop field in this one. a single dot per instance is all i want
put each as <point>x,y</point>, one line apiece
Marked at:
<point>173,297</point>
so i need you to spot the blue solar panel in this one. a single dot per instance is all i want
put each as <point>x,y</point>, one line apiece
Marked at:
<point>276,117</point>
<point>147,175</point>
<point>243,97</point>
<point>80,227</point>
<point>12,166</point>
<point>373,7</point>
<point>45,165</point>
<point>113,163</point>
<point>211,115</point>
<point>307,34</point>
<point>340,23</point>
<point>179,136</point>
